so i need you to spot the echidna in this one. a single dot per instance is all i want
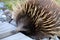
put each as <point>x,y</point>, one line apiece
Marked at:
<point>38,18</point>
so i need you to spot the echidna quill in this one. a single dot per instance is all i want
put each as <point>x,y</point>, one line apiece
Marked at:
<point>38,18</point>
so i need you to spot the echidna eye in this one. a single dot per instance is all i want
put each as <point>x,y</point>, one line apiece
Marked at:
<point>26,27</point>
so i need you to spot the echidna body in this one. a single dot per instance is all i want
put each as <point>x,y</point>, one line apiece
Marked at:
<point>39,18</point>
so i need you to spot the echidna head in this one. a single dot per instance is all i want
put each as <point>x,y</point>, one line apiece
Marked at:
<point>25,24</point>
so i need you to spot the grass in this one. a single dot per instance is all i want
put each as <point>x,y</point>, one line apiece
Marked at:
<point>9,3</point>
